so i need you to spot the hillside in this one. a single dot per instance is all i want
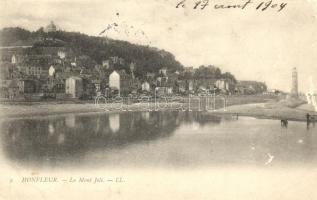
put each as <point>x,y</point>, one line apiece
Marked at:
<point>147,59</point>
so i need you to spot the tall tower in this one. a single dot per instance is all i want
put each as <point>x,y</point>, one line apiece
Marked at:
<point>294,91</point>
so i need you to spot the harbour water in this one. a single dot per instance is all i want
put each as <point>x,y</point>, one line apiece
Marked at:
<point>167,139</point>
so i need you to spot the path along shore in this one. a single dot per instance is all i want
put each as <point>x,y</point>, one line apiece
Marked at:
<point>270,109</point>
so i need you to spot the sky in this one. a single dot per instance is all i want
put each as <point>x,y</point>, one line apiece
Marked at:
<point>252,44</point>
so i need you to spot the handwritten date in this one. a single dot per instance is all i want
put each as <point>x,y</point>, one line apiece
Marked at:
<point>261,6</point>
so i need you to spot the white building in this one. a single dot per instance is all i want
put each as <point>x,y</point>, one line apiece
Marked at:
<point>163,71</point>
<point>61,54</point>
<point>190,85</point>
<point>114,80</point>
<point>51,71</point>
<point>106,64</point>
<point>74,86</point>
<point>145,86</point>
<point>13,59</point>
<point>222,84</point>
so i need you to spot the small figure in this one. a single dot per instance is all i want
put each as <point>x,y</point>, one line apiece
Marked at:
<point>284,123</point>
<point>308,119</point>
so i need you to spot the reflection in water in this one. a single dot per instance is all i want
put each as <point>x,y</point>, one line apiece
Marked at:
<point>51,129</point>
<point>40,139</point>
<point>114,122</point>
<point>145,116</point>
<point>156,138</point>
<point>70,121</point>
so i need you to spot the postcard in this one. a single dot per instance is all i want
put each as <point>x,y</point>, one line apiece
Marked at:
<point>158,99</point>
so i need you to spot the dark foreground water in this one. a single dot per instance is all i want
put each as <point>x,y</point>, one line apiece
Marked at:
<point>156,139</point>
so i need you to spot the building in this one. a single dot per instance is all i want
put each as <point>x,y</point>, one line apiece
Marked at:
<point>189,70</point>
<point>162,91</point>
<point>222,84</point>
<point>294,90</point>
<point>145,86</point>
<point>106,64</point>
<point>36,66</point>
<point>114,81</point>
<point>7,70</point>
<point>51,27</point>
<point>74,87</point>
<point>132,68</point>
<point>163,71</point>
<point>9,89</point>
<point>51,71</point>
<point>14,59</point>
<point>121,83</point>
<point>190,85</point>
<point>250,87</point>
<point>27,86</point>
<point>61,54</point>
<point>225,85</point>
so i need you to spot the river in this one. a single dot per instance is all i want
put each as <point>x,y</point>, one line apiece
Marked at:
<point>166,139</point>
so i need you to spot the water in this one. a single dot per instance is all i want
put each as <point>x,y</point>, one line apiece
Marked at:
<point>155,139</point>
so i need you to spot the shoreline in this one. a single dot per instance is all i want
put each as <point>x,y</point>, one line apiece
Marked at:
<point>263,110</point>
<point>30,109</point>
<point>268,111</point>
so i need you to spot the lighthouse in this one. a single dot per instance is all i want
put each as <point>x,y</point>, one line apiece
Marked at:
<point>294,91</point>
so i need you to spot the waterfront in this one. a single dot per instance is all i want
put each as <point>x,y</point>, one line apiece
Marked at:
<point>168,139</point>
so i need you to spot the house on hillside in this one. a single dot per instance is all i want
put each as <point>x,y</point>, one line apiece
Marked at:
<point>61,54</point>
<point>74,86</point>
<point>120,83</point>
<point>14,59</point>
<point>145,86</point>
<point>106,64</point>
<point>163,71</point>
<point>36,66</point>
<point>7,71</point>
<point>27,86</point>
<point>9,89</point>
<point>185,86</point>
<point>162,91</point>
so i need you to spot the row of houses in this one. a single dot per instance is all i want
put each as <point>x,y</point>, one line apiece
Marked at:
<point>56,72</point>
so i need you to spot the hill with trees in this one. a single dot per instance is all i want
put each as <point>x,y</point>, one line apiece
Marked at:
<point>98,49</point>
<point>147,59</point>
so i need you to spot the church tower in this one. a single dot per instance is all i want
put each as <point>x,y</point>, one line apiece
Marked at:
<point>51,27</point>
<point>294,91</point>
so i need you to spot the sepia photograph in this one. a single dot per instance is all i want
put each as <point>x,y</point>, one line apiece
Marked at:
<point>158,99</point>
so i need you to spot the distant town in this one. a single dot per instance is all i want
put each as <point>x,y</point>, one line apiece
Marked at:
<point>51,68</point>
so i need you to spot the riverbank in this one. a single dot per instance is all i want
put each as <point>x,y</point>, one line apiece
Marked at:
<point>20,111</point>
<point>30,109</point>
